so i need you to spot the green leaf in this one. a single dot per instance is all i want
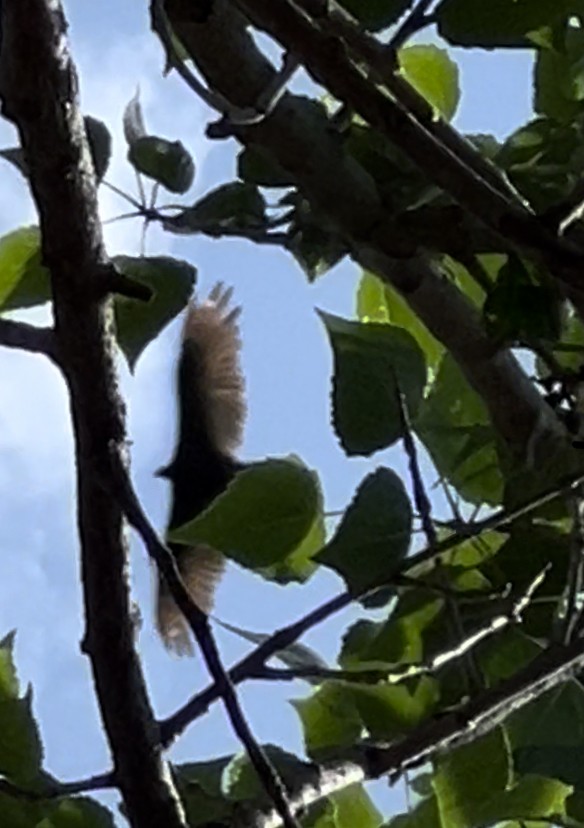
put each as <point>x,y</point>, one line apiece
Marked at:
<point>524,555</point>
<point>377,302</point>
<point>100,145</point>
<point>559,78</point>
<point>78,812</point>
<point>376,14</point>
<point>352,807</point>
<point>295,655</point>
<point>544,160</point>
<point>389,711</point>
<point>490,264</point>
<point>519,310</point>
<point>455,428</point>
<point>467,778</point>
<point>24,281</point>
<point>236,205</point>
<point>167,162</point>
<point>498,23</point>
<point>401,185</point>
<point>21,751</point>
<point>264,516</point>
<point>329,718</point>
<point>561,763</point>
<point>434,75</point>
<point>138,323</point>
<point>200,786</point>
<point>299,564</point>
<point>534,797</point>
<point>368,358</point>
<point>398,640</point>
<point>571,355</point>
<point>424,815</point>
<point>240,781</point>
<point>372,304</point>
<point>475,785</point>
<point>256,166</point>
<point>555,718</point>
<point>133,120</point>
<point>315,248</point>
<point>374,535</point>
<point>503,656</point>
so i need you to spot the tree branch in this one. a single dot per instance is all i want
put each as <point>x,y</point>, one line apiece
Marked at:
<point>27,337</point>
<point>466,723</point>
<point>326,60</point>
<point>509,614</point>
<point>417,19</point>
<point>463,725</point>
<point>55,790</point>
<point>571,610</point>
<point>381,61</point>
<point>335,183</point>
<point>38,87</point>
<point>172,726</point>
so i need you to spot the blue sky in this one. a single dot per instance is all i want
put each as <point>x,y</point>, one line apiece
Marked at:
<point>287,365</point>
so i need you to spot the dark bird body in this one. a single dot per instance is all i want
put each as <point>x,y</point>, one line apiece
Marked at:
<point>211,410</point>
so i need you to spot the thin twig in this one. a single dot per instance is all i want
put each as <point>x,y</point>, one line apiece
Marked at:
<point>424,507</point>
<point>109,279</point>
<point>421,499</point>
<point>469,596</point>
<point>571,611</point>
<point>55,790</point>
<point>457,519</point>
<point>464,724</point>
<point>134,202</point>
<point>562,216</point>
<point>396,675</point>
<point>123,216</point>
<point>27,337</point>
<point>417,19</point>
<point>199,624</point>
<point>171,727</point>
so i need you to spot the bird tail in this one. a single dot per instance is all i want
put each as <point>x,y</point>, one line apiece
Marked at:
<point>212,344</point>
<point>211,414</point>
<point>201,569</point>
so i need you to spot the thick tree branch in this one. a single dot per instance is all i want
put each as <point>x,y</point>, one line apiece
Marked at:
<point>381,61</point>
<point>38,87</point>
<point>335,183</point>
<point>382,64</point>
<point>326,60</point>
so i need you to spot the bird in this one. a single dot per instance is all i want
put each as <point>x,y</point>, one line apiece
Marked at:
<point>211,413</point>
